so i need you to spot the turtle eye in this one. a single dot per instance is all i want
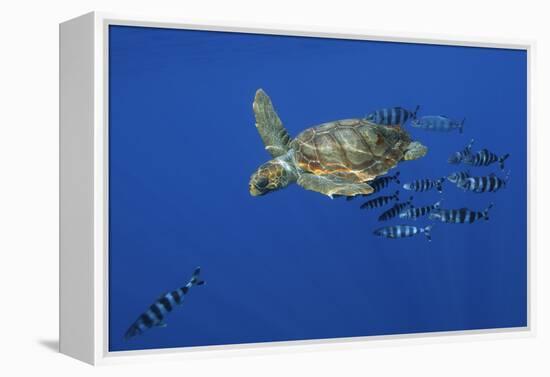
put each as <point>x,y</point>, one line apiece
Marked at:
<point>261,182</point>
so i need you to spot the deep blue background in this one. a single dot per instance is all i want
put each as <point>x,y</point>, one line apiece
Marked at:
<point>295,264</point>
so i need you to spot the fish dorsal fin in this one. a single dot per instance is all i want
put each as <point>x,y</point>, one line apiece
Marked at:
<point>275,137</point>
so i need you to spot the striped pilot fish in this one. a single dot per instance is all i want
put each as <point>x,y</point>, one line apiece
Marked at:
<point>489,183</point>
<point>459,216</point>
<point>425,185</point>
<point>380,201</point>
<point>416,212</point>
<point>438,123</point>
<point>382,182</point>
<point>458,176</point>
<point>154,316</point>
<point>458,157</point>
<point>401,231</point>
<point>485,158</point>
<point>392,116</point>
<point>395,210</point>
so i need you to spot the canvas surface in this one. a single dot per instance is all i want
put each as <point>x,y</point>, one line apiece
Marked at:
<point>295,264</point>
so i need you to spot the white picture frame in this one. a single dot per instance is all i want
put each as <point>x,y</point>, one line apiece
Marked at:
<point>84,198</point>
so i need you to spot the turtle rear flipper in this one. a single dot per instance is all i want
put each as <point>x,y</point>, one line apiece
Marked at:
<point>414,151</point>
<point>270,127</point>
<point>331,185</point>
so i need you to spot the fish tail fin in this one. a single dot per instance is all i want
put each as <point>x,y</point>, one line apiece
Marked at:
<point>439,184</point>
<point>461,126</point>
<point>415,111</point>
<point>195,280</point>
<point>502,159</point>
<point>507,178</point>
<point>396,195</point>
<point>396,176</point>
<point>486,212</point>
<point>427,232</point>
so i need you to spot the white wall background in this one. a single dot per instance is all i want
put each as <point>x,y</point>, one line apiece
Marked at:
<point>29,185</point>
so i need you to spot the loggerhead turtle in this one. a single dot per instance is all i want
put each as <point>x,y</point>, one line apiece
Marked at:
<point>335,158</point>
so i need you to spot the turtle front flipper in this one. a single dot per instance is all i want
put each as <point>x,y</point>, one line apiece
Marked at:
<point>270,127</point>
<point>331,185</point>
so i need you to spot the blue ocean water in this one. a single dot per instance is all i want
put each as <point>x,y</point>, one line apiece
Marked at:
<point>295,264</point>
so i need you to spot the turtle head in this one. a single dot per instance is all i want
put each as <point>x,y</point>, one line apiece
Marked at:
<point>271,176</point>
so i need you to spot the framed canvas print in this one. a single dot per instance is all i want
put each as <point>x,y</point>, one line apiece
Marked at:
<point>225,187</point>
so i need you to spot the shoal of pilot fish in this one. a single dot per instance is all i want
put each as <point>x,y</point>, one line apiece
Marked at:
<point>398,116</point>
<point>478,184</point>
<point>154,316</point>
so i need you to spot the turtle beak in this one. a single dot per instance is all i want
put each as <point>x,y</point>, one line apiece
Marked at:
<point>258,184</point>
<point>253,190</point>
